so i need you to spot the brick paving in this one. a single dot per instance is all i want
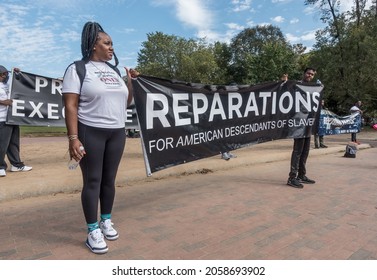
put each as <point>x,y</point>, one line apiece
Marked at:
<point>245,213</point>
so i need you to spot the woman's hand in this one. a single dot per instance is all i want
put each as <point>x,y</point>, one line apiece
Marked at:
<point>131,73</point>
<point>75,150</point>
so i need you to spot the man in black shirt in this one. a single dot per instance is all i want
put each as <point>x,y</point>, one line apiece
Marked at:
<point>300,153</point>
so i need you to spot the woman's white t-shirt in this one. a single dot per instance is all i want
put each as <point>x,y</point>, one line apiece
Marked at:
<point>103,97</point>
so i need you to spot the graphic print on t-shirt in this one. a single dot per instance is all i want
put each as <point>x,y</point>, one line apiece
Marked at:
<point>109,78</point>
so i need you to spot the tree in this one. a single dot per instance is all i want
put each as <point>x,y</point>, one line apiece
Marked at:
<point>173,57</point>
<point>260,54</point>
<point>223,57</point>
<point>345,52</point>
<point>273,60</point>
<point>156,56</point>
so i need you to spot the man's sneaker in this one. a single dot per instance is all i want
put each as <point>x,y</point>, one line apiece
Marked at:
<point>293,182</point>
<point>323,146</point>
<point>18,169</point>
<point>3,173</point>
<point>96,243</point>
<point>225,156</point>
<point>231,155</point>
<point>305,180</point>
<point>107,229</point>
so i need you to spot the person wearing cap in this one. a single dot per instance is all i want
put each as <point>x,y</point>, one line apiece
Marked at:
<point>9,134</point>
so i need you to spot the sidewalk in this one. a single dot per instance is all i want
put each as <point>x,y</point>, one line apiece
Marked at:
<point>48,157</point>
<point>244,212</point>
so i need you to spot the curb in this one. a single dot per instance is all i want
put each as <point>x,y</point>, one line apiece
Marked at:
<point>132,170</point>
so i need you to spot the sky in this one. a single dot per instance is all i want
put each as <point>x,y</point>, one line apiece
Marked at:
<point>43,36</point>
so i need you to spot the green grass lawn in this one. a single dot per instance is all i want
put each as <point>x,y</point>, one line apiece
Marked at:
<point>38,131</point>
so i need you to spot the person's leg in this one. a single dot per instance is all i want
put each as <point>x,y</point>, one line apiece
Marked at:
<point>295,160</point>
<point>316,144</point>
<point>321,142</point>
<point>302,166</point>
<point>353,137</point>
<point>113,155</point>
<point>13,152</point>
<point>5,135</point>
<point>91,165</point>
<point>304,157</point>
<point>298,145</point>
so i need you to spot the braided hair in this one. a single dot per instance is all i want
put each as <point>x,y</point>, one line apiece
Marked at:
<point>89,38</point>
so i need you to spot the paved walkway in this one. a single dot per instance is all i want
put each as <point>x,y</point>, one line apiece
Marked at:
<point>241,211</point>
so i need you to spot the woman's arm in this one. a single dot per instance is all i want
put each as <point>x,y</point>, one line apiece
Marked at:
<point>71,103</point>
<point>132,73</point>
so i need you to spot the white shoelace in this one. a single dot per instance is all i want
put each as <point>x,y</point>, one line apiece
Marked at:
<point>97,236</point>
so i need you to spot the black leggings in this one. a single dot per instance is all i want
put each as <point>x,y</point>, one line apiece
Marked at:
<point>104,149</point>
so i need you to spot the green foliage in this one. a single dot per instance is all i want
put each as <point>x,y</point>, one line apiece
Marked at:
<point>344,55</point>
<point>255,55</point>
<point>260,54</point>
<point>274,59</point>
<point>172,57</point>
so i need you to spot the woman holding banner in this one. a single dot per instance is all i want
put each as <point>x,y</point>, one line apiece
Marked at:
<point>95,118</point>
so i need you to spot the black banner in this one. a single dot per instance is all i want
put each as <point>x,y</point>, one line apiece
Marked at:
<point>330,123</point>
<point>183,122</point>
<point>38,101</point>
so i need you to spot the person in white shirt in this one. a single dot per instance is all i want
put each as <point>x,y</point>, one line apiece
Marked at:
<point>9,134</point>
<point>95,115</point>
<point>355,109</point>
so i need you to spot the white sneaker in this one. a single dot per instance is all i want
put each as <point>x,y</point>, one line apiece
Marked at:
<point>23,168</point>
<point>107,229</point>
<point>3,173</point>
<point>225,156</point>
<point>231,155</point>
<point>96,243</point>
